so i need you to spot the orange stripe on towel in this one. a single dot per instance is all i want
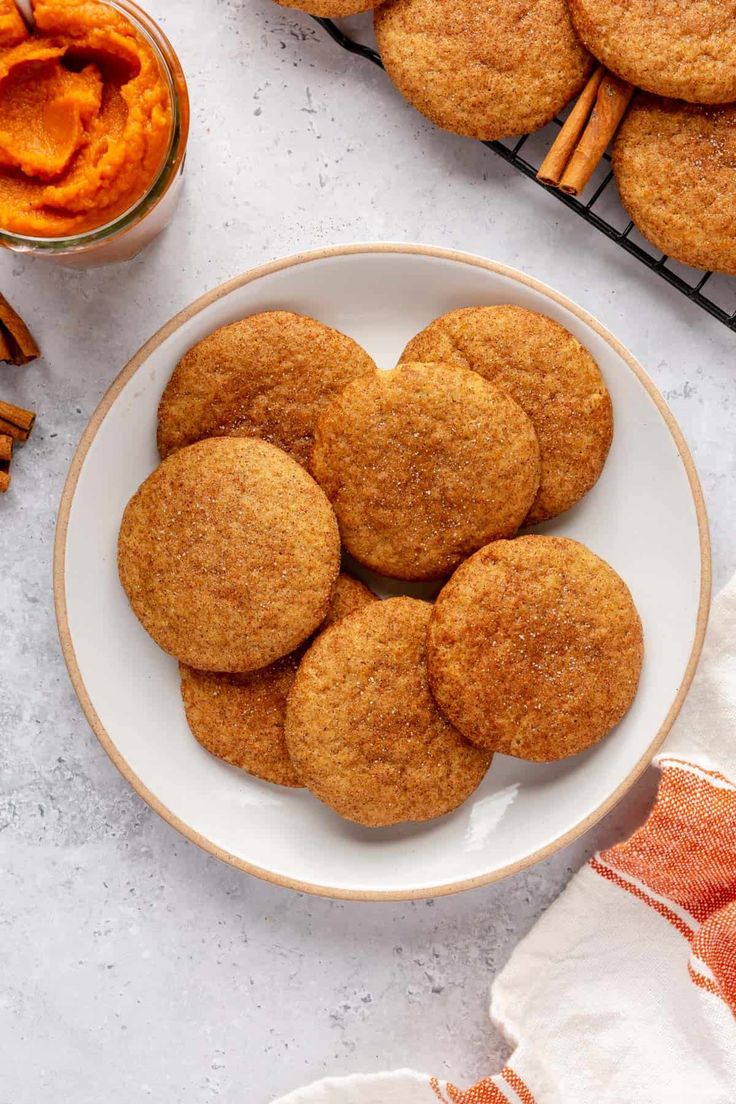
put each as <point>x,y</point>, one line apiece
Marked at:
<point>636,891</point>
<point>686,854</point>
<point>486,1091</point>
<point>517,1085</point>
<point>686,851</point>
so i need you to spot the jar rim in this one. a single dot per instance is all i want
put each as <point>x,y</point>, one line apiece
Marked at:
<point>172,69</point>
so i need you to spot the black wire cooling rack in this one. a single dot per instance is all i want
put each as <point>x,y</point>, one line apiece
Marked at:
<point>599,205</point>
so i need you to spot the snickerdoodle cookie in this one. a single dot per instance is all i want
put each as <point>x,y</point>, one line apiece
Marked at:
<point>228,553</point>
<point>685,49</point>
<point>674,166</point>
<point>487,70</point>
<point>535,648</point>
<point>330,9</point>
<point>552,377</point>
<point>240,718</point>
<point>266,376</point>
<point>423,465</point>
<point>362,728</point>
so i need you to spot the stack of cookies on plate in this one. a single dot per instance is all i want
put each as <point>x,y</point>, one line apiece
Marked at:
<point>491,69</point>
<point>286,451</point>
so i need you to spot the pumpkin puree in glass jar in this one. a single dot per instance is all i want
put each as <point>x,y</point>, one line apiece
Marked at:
<point>85,117</point>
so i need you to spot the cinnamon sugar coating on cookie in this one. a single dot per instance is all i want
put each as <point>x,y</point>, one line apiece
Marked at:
<point>684,49</point>
<point>228,553</point>
<point>267,376</point>
<point>674,167</point>
<point>535,648</point>
<point>423,465</point>
<point>552,377</point>
<point>240,718</point>
<point>486,70</point>
<point>330,9</point>
<point>362,728</point>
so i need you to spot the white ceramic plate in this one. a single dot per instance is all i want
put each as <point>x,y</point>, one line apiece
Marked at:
<point>645,516</point>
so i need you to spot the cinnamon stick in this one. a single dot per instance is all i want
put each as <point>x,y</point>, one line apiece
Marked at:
<point>553,167</point>
<point>16,341</point>
<point>6,455</point>
<point>614,96</point>
<point>16,422</point>
<point>6,353</point>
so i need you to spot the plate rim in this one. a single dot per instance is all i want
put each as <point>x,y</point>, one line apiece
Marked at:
<point>67,498</point>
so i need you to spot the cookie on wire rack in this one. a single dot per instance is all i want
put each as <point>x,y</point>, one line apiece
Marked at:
<point>683,49</point>
<point>330,9</point>
<point>486,70</point>
<point>674,167</point>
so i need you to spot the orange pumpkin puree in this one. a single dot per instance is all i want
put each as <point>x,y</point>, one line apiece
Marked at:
<point>85,117</point>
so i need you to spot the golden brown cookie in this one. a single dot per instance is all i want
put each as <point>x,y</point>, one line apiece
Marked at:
<point>685,49</point>
<point>423,465</point>
<point>228,553</point>
<point>330,9</point>
<point>240,718</point>
<point>535,648</point>
<point>349,595</point>
<point>266,376</point>
<point>487,70</point>
<point>362,729</point>
<point>552,377</point>
<point>674,166</point>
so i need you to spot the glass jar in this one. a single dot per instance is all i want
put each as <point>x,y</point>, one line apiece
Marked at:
<point>127,234</point>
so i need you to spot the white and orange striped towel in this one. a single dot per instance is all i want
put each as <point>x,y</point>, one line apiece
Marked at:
<point>625,991</point>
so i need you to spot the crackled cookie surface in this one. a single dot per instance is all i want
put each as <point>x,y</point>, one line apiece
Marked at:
<point>486,70</point>
<point>552,377</point>
<point>674,166</point>
<point>685,49</point>
<point>330,9</point>
<point>363,730</point>
<point>267,376</point>
<point>228,553</point>
<point>535,648</point>
<point>240,718</point>
<point>423,465</point>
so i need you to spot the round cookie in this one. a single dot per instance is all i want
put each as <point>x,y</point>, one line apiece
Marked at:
<point>674,166</point>
<point>552,377</point>
<point>228,553</point>
<point>330,9</point>
<point>685,49</point>
<point>423,465</point>
<point>362,729</point>
<point>265,376</point>
<point>487,70</point>
<point>535,648</point>
<point>240,718</point>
